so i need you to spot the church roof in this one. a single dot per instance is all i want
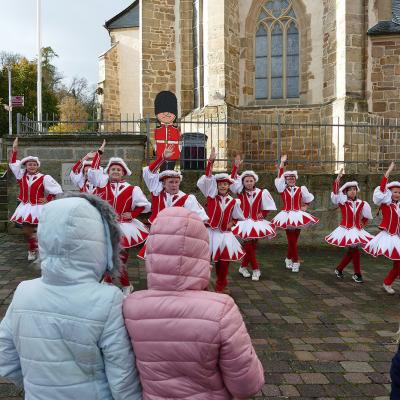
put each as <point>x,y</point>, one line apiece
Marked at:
<point>128,18</point>
<point>384,28</point>
<point>388,27</point>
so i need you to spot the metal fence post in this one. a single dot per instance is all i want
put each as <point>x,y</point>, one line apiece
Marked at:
<point>279,138</point>
<point>148,139</point>
<point>18,123</point>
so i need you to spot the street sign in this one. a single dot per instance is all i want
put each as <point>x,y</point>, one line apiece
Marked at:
<point>17,101</point>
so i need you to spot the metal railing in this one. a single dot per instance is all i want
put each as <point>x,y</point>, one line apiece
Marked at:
<point>366,145</point>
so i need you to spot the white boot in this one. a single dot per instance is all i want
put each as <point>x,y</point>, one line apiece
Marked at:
<point>296,267</point>
<point>388,289</point>
<point>289,263</point>
<point>245,272</point>
<point>256,275</point>
<point>32,255</point>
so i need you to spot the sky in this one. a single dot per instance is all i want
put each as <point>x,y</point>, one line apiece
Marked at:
<point>73,28</point>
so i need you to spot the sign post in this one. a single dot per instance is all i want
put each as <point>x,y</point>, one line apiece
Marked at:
<point>17,101</point>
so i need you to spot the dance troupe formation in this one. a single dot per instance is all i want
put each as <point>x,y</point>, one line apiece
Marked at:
<point>228,219</point>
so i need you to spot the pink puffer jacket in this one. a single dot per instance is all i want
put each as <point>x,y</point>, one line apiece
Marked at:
<point>189,343</point>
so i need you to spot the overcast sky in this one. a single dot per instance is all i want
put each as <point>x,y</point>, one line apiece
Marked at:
<point>73,28</point>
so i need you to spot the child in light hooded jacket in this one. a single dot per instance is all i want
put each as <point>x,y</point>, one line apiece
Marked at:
<point>63,336</point>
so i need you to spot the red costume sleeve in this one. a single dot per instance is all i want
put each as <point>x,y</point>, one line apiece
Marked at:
<point>156,164</point>
<point>96,160</point>
<point>281,171</point>
<point>234,171</point>
<point>137,211</point>
<point>209,168</point>
<point>13,157</point>
<point>336,184</point>
<point>364,221</point>
<point>383,183</point>
<point>77,167</point>
<point>50,197</point>
<point>264,213</point>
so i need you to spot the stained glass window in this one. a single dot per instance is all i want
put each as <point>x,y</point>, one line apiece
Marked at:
<point>277,51</point>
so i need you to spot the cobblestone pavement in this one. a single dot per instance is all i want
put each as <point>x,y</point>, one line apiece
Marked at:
<point>318,338</point>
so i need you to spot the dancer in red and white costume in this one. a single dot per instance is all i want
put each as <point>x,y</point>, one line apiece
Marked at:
<point>78,174</point>
<point>223,211</point>
<point>35,190</point>
<point>350,232</point>
<point>256,204</point>
<point>293,217</point>
<point>128,202</point>
<point>165,192</point>
<point>387,241</point>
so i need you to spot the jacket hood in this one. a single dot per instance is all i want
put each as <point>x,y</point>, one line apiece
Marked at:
<point>177,252</point>
<point>78,239</point>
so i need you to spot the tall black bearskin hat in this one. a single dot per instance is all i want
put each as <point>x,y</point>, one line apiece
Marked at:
<point>166,102</point>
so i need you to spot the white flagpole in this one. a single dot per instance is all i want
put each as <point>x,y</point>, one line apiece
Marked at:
<point>39,67</point>
<point>9,102</point>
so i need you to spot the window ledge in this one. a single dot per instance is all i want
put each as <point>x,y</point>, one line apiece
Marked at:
<point>275,102</point>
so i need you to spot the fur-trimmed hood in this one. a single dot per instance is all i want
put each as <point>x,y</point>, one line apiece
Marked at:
<point>78,239</point>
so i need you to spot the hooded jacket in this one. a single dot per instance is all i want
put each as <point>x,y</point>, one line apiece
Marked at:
<point>395,376</point>
<point>189,343</point>
<point>63,336</point>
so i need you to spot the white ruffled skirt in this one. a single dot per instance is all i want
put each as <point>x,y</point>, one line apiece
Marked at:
<point>384,244</point>
<point>133,233</point>
<point>294,219</point>
<point>250,229</point>
<point>27,213</point>
<point>343,237</point>
<point>224,246</point>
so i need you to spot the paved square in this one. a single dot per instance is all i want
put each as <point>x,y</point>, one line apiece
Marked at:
<point>318,338</point>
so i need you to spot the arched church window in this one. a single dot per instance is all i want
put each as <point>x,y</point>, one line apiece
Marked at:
<point>277,51</point>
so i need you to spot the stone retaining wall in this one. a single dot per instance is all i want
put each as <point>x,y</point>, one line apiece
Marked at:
<point>63,149</point>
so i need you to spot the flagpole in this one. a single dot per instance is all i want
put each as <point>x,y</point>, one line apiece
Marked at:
<point>39,67</point>
<point>9,102</point>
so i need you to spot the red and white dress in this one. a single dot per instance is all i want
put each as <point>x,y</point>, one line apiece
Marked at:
<point>255,206</point>
<point>387,241</point>
<point>293,197</point>
<point>221,210</point>
<point>160,199</point>
<point>32,190</point>
<point>78,178</point>
<point>355,214</point>
<point>124,198</point>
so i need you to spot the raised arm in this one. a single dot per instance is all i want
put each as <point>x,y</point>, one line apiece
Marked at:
<point>76,174</point>
<point>336,197</point>
<point>150,175</point>
<point>207,183</point>
<point>14,164</point>
<point>96,175</point>
<point>237,186</point>
<point>280,183</point>
<point>382,195</point>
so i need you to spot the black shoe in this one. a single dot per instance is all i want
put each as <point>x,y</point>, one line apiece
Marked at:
<point>339,274</point>
<point>357,278</point>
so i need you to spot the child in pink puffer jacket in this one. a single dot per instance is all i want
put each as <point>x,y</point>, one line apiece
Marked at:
<point>189,343</point>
